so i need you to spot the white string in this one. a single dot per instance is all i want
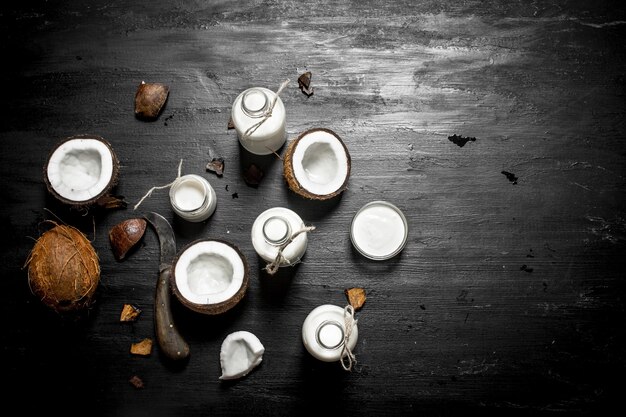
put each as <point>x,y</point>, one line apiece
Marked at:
<point>149,193</point>
<point>267,113</point>
<point>273,266</point>
<point>348,315</point>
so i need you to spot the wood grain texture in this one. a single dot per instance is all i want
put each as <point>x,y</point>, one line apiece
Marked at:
<point>508,298</point>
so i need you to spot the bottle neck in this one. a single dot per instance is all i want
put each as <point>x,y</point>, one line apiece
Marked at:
<point>276,230</point>
<point>330,334</point>
<point>255,102</point>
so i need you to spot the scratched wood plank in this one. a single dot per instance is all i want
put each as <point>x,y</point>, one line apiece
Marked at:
<point>508,298</point>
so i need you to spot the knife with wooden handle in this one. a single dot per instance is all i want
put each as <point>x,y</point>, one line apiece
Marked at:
<point>170,342</point>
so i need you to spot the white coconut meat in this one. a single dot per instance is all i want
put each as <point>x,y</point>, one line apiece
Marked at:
<point>209,272</point>
<point>320,163</point>
<point>80,169</point>
<point>241,352</point>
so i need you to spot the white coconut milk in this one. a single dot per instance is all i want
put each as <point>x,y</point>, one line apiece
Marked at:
<point>272,228</point>
<point>193,198</point>
<point>324,331</point>
<point>379,230</point>
<point>260,130</point>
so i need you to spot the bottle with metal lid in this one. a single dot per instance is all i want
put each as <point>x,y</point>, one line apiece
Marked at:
<point>259,117</point>
<point>324,333</point>
<point>193,198</point>
<point>272,229</point>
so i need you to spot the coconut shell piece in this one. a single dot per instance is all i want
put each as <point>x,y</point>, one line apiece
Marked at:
<point>63,270</point>
<point>125,235</point>
<point>149,100</point>
<point>304,82</point>
<point>143,348</point>
<point>136,382</point>
<point>216,165</point>
<point>129,313</point>
<point>356,297</point>
<point>253,175</point>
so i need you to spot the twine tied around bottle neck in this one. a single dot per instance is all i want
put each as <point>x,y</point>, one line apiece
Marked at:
<point>149,193</point>
<point>349,321</point>
<point>267,113</point>
<point>272,267</point>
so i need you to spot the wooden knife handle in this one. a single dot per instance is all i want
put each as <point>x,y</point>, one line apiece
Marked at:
<point>170,341</point>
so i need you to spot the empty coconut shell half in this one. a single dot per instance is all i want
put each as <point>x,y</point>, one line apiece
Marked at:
<point>210,276</point>
<point>81,169</point>
<point>317,164</point>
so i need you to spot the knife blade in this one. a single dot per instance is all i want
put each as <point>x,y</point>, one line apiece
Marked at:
<point>170,341</point>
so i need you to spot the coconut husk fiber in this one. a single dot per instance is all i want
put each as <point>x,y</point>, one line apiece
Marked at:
<point>63,269</point>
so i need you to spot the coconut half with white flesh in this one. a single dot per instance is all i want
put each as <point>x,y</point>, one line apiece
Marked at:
<point>210,276</point>
<point>81,169</point>
<point>317,164</point>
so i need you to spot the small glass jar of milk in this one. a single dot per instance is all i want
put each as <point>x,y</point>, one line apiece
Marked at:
<point>259,117</point>
<point>379,230</point>
<point>193,198</point>
<point>324,333</point>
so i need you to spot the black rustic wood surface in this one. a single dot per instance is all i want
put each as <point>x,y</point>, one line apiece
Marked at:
<point>508,298</point>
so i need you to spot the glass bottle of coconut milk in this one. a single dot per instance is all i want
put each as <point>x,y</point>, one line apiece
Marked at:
<point>259,117</point>
<point>272,229</point>
<point>193,198</point>
<point>324,333</point>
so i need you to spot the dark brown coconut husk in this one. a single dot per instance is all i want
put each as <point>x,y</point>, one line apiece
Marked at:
<point>218,308</point>
<point>102,195</point>
<point>295,185</point>
<point>63,269</point>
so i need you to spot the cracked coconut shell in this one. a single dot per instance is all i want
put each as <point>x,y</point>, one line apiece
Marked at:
<point>63,269</point>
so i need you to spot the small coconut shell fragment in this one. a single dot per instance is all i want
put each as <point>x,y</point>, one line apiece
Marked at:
<point>108,202</point>
<point>149,100</point>
<point>356,297</point>
<point>216,165</point>
<point>143,348</point>
<point>304,82</point>
<point>125,235</point>
<point>253,175</point>
<point>136,382</point>
<point>129,313</point>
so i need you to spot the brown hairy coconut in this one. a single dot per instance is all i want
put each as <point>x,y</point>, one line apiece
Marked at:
<point>63,269</point>
<point>81,170</point>
<point>317,165</point>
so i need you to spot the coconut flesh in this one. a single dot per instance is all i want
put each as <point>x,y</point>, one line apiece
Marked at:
<point>63,269</point>
<point>241,352</point>
<point>317,165</point>
<point>210,276</point>
<point>81,169</point>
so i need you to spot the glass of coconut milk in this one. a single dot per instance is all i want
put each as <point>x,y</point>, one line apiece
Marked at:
<point>379,230</point>
<point>193,198</point>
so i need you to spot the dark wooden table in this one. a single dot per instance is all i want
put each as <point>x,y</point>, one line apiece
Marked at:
<point>508,298</point>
